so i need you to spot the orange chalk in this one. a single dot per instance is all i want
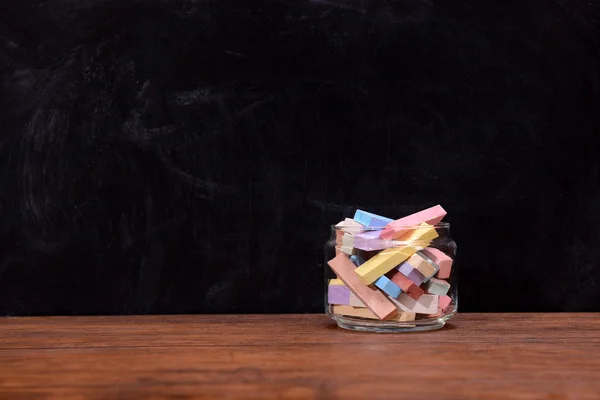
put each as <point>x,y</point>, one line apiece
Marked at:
<point>365,313</point>
<point>444,302</point>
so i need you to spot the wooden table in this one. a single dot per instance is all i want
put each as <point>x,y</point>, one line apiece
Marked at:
<point>479,356</point>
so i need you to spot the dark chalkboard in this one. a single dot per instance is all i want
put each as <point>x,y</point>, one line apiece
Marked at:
<point>189,156</point>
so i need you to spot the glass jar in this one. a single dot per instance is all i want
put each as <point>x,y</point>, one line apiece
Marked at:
<point>400,285</point>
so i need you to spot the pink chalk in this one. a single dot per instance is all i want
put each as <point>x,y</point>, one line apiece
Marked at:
<point>444,302</point>
<point>339,235</point>
<point>442,260</point>
<point>397,228</point>
<point>405,284</point>
<point>399,279</point>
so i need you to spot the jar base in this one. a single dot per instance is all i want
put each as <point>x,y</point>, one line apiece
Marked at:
<point>362,325</point>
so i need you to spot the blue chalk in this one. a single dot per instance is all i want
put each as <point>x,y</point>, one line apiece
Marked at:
<point>388,286</point>
<point>370,219</point>
<point>356,260</point>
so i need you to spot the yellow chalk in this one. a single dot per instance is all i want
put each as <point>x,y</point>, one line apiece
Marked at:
<point>336,282</point>
<point>387,259</point>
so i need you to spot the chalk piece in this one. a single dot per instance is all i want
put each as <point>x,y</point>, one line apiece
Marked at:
<point>370,219</point>
<point>348,239</point>
<point>405,284</point>
<point>437,314</point>
<point>423,264</point>
<point>338,241</point>
<point>399,227</point>
<point>338,237</point>
<point>366,313</point>
<point>357,260</point>
<point>427,304</point>
<point>370,241</point>
<point>444,302</point>
<point>417,277</point>
<point>418,238</point>
<point>412,273</point>
<point>443,262</point>
<point>415,292</point>
<point>355,301</point>
<point>387,259</point>
<point>400,279</point>
<point>376,301</point>
<point>388,287</point>
<point>350,226</point>
<point>337,294</point>
<point>338,282</point>
<point>437,286</point>
<point>347,243</point>
<point>347,250</point>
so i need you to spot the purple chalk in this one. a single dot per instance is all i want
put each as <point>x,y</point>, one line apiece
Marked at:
<point>417,277</point>
<point>369,241</point>
<point>337,294</point>
<point>412,273</point>
<point>405,268</point>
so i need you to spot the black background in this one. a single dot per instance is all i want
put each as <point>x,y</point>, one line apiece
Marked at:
<point>189,156</point>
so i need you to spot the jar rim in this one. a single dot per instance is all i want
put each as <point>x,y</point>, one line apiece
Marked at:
<point>440,225</point>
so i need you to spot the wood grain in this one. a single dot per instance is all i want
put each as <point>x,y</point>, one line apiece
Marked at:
<point>478,356</point>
